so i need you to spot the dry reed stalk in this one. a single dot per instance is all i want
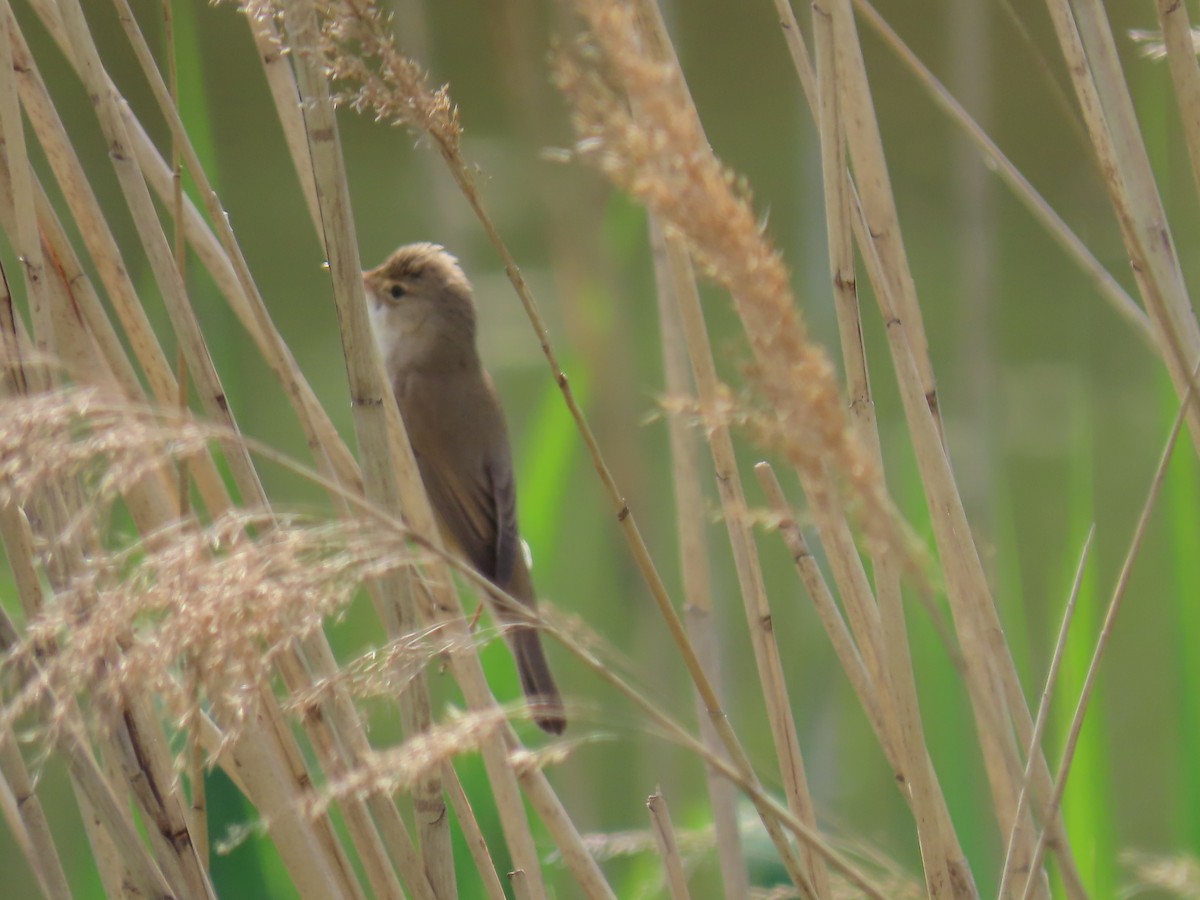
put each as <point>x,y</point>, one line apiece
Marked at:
<point>668,847</point>
<point>378,841</point>
<point>995,738</point>
<point>844,286</point>
<point>233,280</point>
<point>745,556</point>
<point>136,748</point>
<point>472,834</point>
<point>282,83</point>
<point>946,869</point>
<point>330,454</point>
<point>1086,40</point>
<point>1106,285</point>
<point>11,816</point>
<point>346,731</point>
<point>680,276</point>
<point>41,852</point>
<point>367,395</point>
<point>628,151</point>
<point>288,737</point>
<point>693,563</point>
<point>1043,711</point>
<point>558,823</point>
<point>327,447</point>
<point>130,862</point>
<point>1180,49</point>
<point>835,626</point>
<point>990,675</point>
<point>113,120</point>
<point>102,248</point>
<point>27,241</point>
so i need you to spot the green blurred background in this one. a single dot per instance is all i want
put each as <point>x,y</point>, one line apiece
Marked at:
<point>1055,411</point>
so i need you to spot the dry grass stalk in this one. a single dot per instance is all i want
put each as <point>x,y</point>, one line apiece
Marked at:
<point>476,843</point>
<point>559,825</point>
<point>849,59</point>
<point>371,405</point>
<point>40,850</point>
<point>1107,286</point>
<point>228,265</point>
<point>674,273</point>
<point>114,123</point>
<point>11,815</point>
<point>945,867</point>
<point>102,247</point>
<point>340,717</point>
<point>282,83</point>
<point>1179,45</point>
<point>225,501</point>
<point>693,561</point>
<point>668,847</point>
<point>990,675</point>
<point>681,305</point>
<point>745,555</point>
<point>835,626</point>
<point>1086,40</point>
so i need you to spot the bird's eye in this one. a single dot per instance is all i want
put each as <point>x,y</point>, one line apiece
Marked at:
<point>397,291</point>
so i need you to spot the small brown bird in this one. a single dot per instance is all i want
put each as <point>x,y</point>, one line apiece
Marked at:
<point>423,317</point>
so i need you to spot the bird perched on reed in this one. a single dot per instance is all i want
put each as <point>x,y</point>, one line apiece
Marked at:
<point>423,317</point>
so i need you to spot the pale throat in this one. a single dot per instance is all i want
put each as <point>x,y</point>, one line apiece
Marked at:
<point>395,335</point>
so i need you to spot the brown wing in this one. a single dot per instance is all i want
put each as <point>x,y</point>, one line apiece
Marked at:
<point>478,509</point>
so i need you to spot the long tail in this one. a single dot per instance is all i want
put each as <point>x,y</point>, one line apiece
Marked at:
<point>536,680</point>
